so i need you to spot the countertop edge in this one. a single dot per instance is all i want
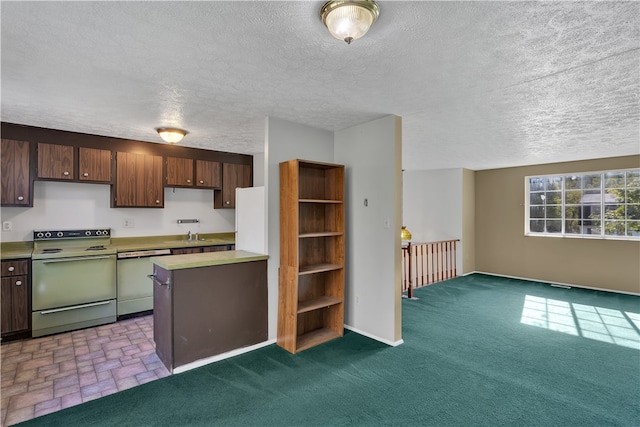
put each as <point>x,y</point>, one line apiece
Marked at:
<point>206,259</point>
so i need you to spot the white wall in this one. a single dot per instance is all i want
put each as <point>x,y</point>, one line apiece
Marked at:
<point>70,205</point>
<point>432,207</point>
<point>284,141</point>
<point>371,153</point>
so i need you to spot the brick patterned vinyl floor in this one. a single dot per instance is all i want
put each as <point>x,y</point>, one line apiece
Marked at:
<point>43,375</point>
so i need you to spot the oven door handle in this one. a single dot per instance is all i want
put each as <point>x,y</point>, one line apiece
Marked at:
<point>75,307</point>
<point>78,258</point>
<point>155,280</point>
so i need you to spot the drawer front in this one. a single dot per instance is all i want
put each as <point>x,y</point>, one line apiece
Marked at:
<point>53,321</point>
<point>15,267</point>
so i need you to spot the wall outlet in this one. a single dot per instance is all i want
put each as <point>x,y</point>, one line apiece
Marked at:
<point>7,226</point>
<point>386,223</point>
<point>128,223</point>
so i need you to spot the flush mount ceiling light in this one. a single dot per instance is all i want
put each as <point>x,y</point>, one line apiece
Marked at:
<point>349,20</point>
<point>171,135</point>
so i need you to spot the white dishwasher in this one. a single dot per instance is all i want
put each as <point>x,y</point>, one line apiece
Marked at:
<point>134,288</point>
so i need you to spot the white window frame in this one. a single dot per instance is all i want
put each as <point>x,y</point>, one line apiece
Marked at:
<point>562,233</point>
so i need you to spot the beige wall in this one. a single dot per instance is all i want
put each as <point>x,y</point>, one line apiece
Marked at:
<point>468,222</point>
<point>502,248</point>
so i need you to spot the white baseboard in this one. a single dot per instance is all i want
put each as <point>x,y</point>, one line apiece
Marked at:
<point>570,285</point>
<point>373,337</point>
<point>218,357</point>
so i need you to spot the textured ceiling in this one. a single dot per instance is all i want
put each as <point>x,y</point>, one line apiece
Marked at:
<point>478,84</point>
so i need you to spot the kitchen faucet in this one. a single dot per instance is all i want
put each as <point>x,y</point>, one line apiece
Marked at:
<point>189,235</point>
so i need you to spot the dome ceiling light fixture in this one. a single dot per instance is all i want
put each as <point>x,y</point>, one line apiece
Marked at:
<point>350,19</point>
<point>171,135</point>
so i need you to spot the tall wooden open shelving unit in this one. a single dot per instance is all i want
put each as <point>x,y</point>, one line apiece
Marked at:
<point>312,248</point>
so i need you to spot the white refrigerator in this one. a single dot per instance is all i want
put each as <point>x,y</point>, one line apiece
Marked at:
<point>251,220</point>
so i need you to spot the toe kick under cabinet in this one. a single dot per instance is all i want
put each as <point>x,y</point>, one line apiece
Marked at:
<point>206,304</point>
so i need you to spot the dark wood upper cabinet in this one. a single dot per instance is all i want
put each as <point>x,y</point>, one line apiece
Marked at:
<point>179,172</point>
<point>55,161</point>
<point>138,181</point>
<point>207,174</point>
<point>94,165</point>
<point>233,176</point>
<point>16,184</point>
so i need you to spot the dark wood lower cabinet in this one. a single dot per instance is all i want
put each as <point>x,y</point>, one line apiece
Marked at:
<point>206,311</point>
<point>15,299</point>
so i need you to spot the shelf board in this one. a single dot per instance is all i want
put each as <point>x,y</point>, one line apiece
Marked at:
<point>318,201</point>
<point>316,303</point>
<point>318,268</point>
<point>315,337</point>
<point>321,234</point>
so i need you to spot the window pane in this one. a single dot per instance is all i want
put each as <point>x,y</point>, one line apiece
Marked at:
<point>536,184</point>
<point>614,180</point>
<point>633,212</point>
<point>536,212</point>
<point>536,199</point>
<point>591,181</point>
<point>614,195</point>
<point>553,197</point>
<point>536,226</point>
<point>591,197</point>
<point>554,211</point>
<point>572,212</point>
<point>573,197</point>
<point>553,183</point>
<point>591,227</point>
<point>591,212</point>
<point>572,182</point>
<point>633,196</point>
<point>614,228</point>
<point>554,226</point>
<point>633,178</point>
<point>633,228</point>
<point>573,226</point>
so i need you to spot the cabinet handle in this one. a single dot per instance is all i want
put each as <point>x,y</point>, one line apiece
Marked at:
<point>201,182</point>
<point>189,181</point>
<point>85,174</point>
<point>65,173</point>
<point>227,202</point>
<point>157,202</point>
<point>20,198</point>
<point>18,282</point>
<point>12,268</point>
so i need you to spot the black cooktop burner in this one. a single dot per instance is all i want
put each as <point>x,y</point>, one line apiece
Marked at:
<point>95,248</point>
<point>51,251</point>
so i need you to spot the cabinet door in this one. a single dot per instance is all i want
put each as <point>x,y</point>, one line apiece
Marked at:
<point>55,161</point>
<point>207,174</point>
<point>95,165</point>
<point>179,172</point>
<point>15,305</point>
<point>16,184</point>
<point>233,176</point>
<point>138,181</point>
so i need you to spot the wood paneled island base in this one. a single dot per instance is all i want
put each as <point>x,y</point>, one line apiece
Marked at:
<point>207,304</point>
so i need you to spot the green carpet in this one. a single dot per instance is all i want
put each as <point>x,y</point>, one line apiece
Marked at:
<point>468,360</point>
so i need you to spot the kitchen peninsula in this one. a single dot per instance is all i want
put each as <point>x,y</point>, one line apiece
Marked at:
<point>206,304</point>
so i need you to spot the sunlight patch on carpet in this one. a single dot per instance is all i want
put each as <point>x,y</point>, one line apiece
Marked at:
<point>588,321</point>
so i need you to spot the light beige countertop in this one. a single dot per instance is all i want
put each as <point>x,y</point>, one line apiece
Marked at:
<point>126,244</point>
<point>206,259</point>
<point>16,250</point>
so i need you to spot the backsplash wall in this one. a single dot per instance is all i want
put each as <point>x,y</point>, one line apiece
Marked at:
<point>64,205</point>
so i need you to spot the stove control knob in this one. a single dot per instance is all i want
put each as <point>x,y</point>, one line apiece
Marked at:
<point>105,232</point>
<point>40,234</point>
<point>87,233</point>
<point>60,234</point>
<point>98,232</point>
<point>47,234</point>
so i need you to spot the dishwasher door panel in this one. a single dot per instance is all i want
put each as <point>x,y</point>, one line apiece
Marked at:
<point>135,289</point>
<point>63,282</point>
